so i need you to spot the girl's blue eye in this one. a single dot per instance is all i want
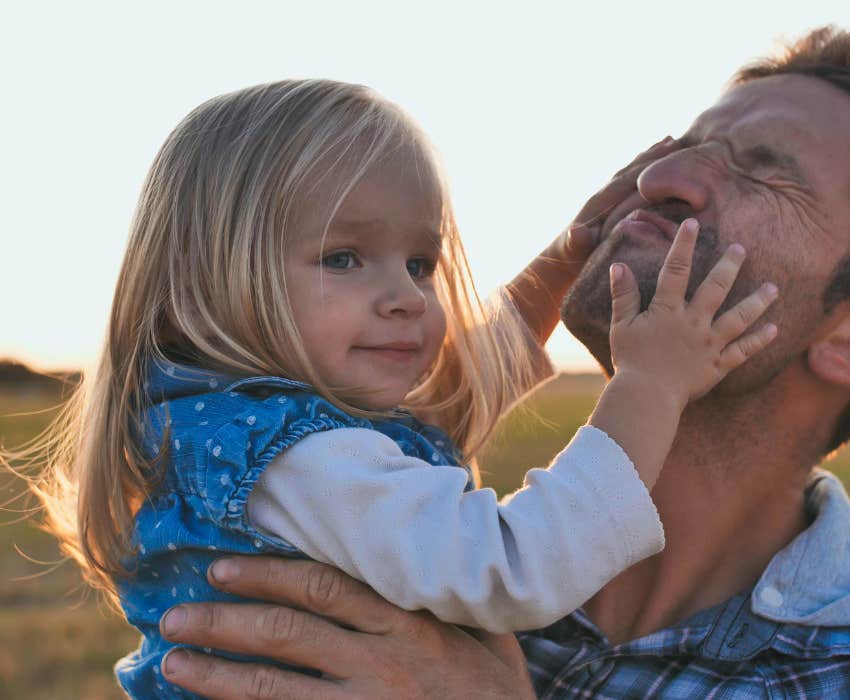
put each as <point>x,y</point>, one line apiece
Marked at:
<point>342,260</point>
<point>420,268</point>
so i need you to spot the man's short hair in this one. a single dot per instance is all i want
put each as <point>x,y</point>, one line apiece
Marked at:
<point>822,53</point>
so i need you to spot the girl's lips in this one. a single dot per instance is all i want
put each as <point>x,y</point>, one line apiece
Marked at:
<point>395,352</point>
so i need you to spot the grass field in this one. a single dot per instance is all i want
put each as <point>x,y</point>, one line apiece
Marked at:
<point>56,643</point>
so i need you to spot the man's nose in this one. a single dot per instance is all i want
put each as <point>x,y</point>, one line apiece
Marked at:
<point>676,177</point>
<point>400,297</point>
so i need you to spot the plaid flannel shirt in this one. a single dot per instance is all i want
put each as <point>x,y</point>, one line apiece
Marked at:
<point>788,637</point>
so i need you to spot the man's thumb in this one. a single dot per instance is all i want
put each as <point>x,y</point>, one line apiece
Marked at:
<point>625,297</point>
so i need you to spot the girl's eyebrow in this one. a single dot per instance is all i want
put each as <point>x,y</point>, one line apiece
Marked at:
<point>370,227</point>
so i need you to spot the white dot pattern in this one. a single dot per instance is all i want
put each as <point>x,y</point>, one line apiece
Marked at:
<point>185,529</point>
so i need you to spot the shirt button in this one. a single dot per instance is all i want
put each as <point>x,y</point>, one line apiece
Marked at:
<point>771,596</point>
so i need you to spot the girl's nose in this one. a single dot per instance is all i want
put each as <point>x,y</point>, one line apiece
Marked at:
<point>401,297</point>
<point>676,177</point>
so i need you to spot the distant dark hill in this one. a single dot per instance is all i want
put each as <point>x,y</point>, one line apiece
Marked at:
<point>17,378</point>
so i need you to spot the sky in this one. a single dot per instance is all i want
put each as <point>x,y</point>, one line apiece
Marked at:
<point>532,105</point>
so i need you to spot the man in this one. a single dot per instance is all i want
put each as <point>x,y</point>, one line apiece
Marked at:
<point>751,596</point>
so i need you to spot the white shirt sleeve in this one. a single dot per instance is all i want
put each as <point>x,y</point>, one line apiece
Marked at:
<point>351,498</point>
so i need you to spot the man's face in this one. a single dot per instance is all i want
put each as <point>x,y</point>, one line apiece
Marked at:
<point>768,167</point>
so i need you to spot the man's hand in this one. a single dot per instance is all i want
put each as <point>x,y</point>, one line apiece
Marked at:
<point>364,646</point>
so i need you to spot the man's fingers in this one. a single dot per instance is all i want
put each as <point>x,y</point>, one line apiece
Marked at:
<point>716,286</point>
<point>741,350</point>
<point>308,585</point>
<point>741,316</point>
<point>625,297</point>
<point>676,271</point>
<point>506,648</point>
<point>272,631</point>
<point>219,679</point>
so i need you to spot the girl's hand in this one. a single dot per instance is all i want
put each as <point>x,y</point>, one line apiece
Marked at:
<point>582,236</point>
<point>680,345</point>
<point>538,290</point>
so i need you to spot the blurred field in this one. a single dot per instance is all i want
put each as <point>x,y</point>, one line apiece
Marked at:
<point>57,644</point>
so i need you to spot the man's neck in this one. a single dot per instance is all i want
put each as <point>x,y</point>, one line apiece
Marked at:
<point>730,496</point>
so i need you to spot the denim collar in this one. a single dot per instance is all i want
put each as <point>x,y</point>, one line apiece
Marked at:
<point>808,581</point>
<point>168,380</point>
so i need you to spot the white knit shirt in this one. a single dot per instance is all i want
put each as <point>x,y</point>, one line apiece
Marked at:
<point>351,498</point>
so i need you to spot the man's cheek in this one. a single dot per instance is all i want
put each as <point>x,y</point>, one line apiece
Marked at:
<point>600,259</point>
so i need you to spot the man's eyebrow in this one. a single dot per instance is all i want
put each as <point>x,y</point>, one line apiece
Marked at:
<point>763,154</point>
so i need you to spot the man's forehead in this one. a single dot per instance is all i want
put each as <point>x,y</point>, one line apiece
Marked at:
<point>782,106</point>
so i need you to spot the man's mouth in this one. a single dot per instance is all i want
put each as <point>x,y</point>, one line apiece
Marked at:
<point>643,222</point>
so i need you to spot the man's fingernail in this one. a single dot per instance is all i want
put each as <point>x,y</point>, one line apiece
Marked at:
<point>225,570</point>
<point>174,620</point>
<point>176,662</point>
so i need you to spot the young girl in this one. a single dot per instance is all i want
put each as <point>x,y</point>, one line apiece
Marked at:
<point>297,362</point>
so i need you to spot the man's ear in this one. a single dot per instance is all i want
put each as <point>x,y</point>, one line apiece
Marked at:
<point>829,356</point>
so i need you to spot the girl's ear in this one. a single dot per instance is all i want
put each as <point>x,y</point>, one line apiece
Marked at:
<point>829,356</point>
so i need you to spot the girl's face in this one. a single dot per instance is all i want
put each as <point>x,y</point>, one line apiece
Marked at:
<point>365,302</point>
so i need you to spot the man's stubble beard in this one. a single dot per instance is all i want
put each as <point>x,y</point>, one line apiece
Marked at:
<point>586,310</point>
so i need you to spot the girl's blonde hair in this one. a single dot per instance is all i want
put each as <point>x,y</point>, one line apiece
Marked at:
<point>204,275</point>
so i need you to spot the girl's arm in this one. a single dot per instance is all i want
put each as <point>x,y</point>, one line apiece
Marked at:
<point>675,351</point>
<point>350,498</point>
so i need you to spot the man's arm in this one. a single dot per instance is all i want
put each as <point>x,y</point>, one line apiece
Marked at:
<point>320,618</point>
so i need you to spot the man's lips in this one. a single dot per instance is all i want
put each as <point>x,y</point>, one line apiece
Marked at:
<point>645,222</point>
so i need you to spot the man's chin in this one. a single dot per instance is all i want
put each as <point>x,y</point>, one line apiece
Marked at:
<point>591,329</point>
<point>586,309</point>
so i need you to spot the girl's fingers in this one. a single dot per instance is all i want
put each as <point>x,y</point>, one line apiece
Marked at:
<point>579,243</point>
<point>625,296</point>
<point>623,184</point>
<point>741,316</point>
<point>656,151</point>
<point>736,353</point>
<point>676,271</point>
<point>715,287</point>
